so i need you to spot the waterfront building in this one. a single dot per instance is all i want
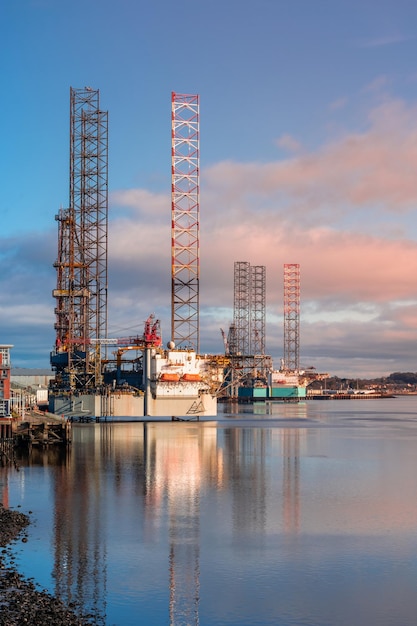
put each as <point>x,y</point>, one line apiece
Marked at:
<point>5,380</point>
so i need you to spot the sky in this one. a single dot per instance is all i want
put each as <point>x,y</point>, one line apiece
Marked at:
<point>308,154</point>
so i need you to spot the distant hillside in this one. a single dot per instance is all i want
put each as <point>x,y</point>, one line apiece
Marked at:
<point>396,379</point>
<point>400,378</point>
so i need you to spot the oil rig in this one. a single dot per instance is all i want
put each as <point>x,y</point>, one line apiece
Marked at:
<point>157,381</point>
<point>250,375</point>
<point>141,377</point>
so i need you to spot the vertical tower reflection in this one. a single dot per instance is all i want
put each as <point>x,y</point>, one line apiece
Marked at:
<point>80,546</point>
<point>177,456</point>
<point>246,452</point>
<point>291,479</point>
<point>249,475</point>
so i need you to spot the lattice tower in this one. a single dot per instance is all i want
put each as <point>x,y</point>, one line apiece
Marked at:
<point>185,209</point>
<point>292,316</point>
<point>231,340</point>
<point>258,281</point>
<point>241,307</point>
<point>62,264</point>
<point>81,310</point>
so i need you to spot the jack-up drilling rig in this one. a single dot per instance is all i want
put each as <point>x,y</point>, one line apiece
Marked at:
<point>81,293</point>
<point>175,381</point>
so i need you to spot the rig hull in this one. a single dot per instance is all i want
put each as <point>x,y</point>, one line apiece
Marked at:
<point>176,383</point>
<point>283,386</point>
<point>129,405</point>
<point>285,393</point>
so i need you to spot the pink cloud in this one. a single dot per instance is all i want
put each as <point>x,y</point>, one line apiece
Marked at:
<point>289,143</point>
<point>374,168</point>
<point>346,266</point>
<point>338,104</point>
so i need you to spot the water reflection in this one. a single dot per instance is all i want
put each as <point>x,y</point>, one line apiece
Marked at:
<point>157,473</point>
<point>174,459</point>
<point>291,479</point>
<point>80,561</point>
<point>162,464</point>
<point>283,410</point>
<point>231,522</point>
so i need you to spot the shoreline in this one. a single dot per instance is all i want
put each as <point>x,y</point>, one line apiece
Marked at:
<point>21,600</point>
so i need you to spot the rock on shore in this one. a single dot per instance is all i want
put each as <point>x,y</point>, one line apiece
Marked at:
<point>21,602</point>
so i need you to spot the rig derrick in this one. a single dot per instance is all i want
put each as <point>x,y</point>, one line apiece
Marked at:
<point>81,292</point>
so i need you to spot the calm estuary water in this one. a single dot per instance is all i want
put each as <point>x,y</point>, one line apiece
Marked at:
<point>290,515</point>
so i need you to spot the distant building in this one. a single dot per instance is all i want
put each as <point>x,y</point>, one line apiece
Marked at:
<point>5,380</point>
<point>26,377</point>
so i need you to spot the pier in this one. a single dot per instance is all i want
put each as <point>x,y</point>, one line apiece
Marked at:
<point>38,429</point>
<point>43,434</point>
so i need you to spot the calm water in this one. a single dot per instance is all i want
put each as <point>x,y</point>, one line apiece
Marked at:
<point>301,515</point>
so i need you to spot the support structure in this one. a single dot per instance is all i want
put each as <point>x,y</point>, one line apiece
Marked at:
<point>249,309</point>
<point>185,209</point>
<point>246,338</point>
<point>81,293</point>
<point>242,307</point>
<point>258,299</point>
<point>292,317</point>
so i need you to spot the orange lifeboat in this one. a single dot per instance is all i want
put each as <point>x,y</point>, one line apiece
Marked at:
<point>172,378</point>
<point>191,377</point>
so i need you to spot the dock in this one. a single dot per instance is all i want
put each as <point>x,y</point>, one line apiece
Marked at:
<point>42,429</point>
<point>42,434</point>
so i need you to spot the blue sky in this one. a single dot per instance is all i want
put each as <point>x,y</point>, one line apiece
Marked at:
<point>308,151</point>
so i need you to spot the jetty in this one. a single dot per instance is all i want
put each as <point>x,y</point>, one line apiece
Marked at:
<point>43,429</point>
<point>35,428</point>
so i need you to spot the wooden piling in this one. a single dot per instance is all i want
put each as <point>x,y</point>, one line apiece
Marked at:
<point>6,443</point>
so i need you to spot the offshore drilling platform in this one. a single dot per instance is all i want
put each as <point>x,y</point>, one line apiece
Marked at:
<point>143,378</point>
<point>249,375</point>
<point>175,381</point>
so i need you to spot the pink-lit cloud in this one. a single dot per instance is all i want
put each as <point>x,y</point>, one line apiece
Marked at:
<point>375,168</point>
<point>289,143</point>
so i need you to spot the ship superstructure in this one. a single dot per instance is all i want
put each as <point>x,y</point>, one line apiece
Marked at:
<point>170,383</point>
<point>180,382</point>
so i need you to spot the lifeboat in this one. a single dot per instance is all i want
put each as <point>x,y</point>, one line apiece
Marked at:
<point>191,377</point>
<point>172,378</point>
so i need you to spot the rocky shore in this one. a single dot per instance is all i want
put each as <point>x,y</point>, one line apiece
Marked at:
<point>21,601</point>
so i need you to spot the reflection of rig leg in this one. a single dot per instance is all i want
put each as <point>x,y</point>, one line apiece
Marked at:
<point>184,565</point>
<point>291,478</point>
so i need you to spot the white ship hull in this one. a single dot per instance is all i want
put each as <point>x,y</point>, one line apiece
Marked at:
<point>90,406</point>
